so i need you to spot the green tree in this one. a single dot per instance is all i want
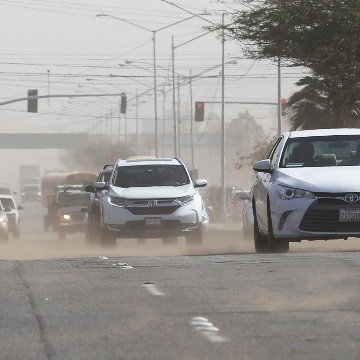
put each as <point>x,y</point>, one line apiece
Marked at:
<point>321,35</point>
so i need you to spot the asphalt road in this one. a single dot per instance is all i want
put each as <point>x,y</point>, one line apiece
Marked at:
<point>63,300</point>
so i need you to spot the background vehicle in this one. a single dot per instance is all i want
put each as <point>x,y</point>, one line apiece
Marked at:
<point>29,175</point>
<point>49,187</point>
<point>4,224</point>
<point>72,207</point>
<point>311,194</point>
<point>12,213</point>
<point>151,198</point>
<point>31,193</point>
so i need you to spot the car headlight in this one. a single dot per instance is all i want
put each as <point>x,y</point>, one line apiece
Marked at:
<point>287,193</point>
<point>117,201</point>
<point>65,217</point>
<point>185,200</point>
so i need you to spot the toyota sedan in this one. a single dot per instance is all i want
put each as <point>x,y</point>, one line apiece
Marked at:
<point>308,189</point>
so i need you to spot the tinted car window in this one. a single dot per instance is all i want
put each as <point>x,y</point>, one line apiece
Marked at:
<point>321,151</point>
<point>7,203</point>
<point>151,175</point>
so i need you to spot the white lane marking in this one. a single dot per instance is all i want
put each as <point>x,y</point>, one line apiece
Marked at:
<point>152,289</point>
<point>206,329</point>
<point>103,258</point>
<point>123,266</point>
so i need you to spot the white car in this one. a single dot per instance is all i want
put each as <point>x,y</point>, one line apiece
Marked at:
<point>151,198</point>
<point>308,189</point>
<point>12,212</point>
<point>4,224</point>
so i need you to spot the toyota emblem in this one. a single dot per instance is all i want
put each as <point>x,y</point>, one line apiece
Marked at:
<point>351,198</point>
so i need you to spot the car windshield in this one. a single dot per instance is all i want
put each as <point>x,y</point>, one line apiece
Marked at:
<point>66,199</point>
<point>321,151</point>
<point>151,175</point>
<point>7,203</point>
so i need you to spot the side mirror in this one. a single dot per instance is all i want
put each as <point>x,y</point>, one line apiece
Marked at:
<point>243,195</point>
<point>200,183</point>
<point>99,186</point>
<point>20,207</point>
<point>90,188</point>
<point>263,166</point>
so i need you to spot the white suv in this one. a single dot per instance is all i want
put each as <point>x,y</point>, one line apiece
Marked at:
<point>148,198</point>
<point>12,212</point>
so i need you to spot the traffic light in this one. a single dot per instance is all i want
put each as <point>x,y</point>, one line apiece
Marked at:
<point>123,104</point>
<point>32,104</point>
<point>283,106</point>
<point>199,111</point>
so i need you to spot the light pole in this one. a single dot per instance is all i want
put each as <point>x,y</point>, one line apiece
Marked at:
<point>154,32</point>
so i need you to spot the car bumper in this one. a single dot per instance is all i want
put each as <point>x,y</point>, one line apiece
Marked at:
<point>309,219</point>
<point>182,221</point>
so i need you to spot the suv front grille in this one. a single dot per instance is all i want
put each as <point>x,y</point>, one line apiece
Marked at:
<point>152,207</point>
<point>324,217</point>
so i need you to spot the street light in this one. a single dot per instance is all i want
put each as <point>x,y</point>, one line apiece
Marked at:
<point>154,32</point>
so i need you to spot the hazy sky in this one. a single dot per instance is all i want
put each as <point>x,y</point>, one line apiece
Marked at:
<point>81,50</point>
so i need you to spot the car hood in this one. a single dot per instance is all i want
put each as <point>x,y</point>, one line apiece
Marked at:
<point>152,192</point>
<point>322,179</point>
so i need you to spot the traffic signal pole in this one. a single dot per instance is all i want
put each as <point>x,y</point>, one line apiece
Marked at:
<point>27,98</point>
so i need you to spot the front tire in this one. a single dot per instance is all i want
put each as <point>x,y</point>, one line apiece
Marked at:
<point>195,237</point>
<point>260,241</point>
<point>107,238</point>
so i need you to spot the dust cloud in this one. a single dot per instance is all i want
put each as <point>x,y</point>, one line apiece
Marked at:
<point>37,246</point>
<point>34,243</point>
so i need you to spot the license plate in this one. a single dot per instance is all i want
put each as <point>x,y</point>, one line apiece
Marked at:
<point>349,215</point>
<point>153,221</point>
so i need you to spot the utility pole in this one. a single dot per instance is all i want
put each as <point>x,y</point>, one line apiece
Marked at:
<point>178,119</point>
<point>137,123</point>
<point>191,124</point>
<point>223,194</point>
<point>279,99</point>
<point>173,95</point>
